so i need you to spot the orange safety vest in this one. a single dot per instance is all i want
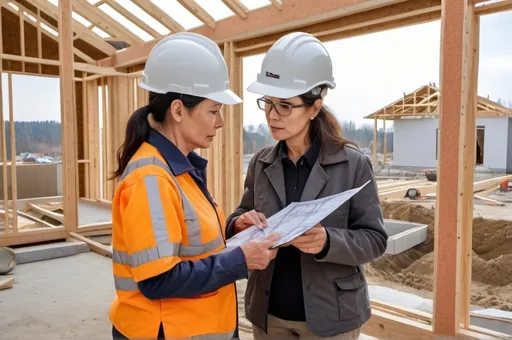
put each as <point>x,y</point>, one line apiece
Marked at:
<point>159,220</point>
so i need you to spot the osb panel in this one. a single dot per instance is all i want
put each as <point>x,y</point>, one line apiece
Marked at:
<point>90,50</point>
<point>12,45</point>
<point>10,39</point>
<point>50,51</point>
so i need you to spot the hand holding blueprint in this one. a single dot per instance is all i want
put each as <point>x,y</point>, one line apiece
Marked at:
<point>295,219</point>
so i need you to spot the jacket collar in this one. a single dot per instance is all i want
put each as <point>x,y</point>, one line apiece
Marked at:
<point>329,154</point>
<point>177,161</point>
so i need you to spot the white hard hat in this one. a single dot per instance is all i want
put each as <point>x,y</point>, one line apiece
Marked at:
<point>188,63</point>
<point>296,63</point>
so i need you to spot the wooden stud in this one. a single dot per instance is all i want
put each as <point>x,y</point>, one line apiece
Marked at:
<point>12,135</point>
<point>68,114</point>
<point>453,125</point>
<point>374,151</point>
<point>469,160</point>
<point>4,142</point>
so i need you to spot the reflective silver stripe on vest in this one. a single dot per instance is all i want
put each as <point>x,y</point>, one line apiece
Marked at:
<point>164,248</point>
<point>125,284</point>
<point>219,336</point>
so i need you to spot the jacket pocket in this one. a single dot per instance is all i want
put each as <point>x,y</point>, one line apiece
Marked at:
<point>352,296</point>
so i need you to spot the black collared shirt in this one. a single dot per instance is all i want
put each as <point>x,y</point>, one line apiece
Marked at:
<point>286,298</point>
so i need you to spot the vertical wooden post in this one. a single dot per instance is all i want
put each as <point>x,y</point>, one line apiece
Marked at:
<point>4,142</point>
<point>453,127</point>
<point>385,139</point>
<point>233,141</point>
<point>374,151</point>
<point>12,135</point>
<point>469,169</point>
<point>68,112</point>
<point>93,138</point>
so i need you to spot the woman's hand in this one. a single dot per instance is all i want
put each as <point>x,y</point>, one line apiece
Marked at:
<point>312,241</point>
<point>250,218</point>
<point>258,253</point>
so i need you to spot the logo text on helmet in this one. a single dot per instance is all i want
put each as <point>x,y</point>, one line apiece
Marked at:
<point>272,75</point>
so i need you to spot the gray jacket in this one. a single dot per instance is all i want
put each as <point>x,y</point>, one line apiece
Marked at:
<point>335,290</point>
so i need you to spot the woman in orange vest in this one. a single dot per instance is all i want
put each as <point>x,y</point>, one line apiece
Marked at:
<point>173,275</point>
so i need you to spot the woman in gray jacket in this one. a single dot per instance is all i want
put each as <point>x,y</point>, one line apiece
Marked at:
<point>315,288</point>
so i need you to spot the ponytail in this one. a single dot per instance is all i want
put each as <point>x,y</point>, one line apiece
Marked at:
<point>137,128</point>
<point>136,133</point>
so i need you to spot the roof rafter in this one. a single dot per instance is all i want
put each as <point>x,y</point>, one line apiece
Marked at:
<point>132,17</point>
<point>157,13</point>
<point>259,22</point>
<point>237,7</point>
<point>277,3</point>
<point>198,12</point>
<point>105,22</point>
<point>424,102</point>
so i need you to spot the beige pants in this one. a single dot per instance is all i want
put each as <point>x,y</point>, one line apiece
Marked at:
<point>279,329</point>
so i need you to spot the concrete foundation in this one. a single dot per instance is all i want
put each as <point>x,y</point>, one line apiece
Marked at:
<point>403,235</point>
<point>49,251</point>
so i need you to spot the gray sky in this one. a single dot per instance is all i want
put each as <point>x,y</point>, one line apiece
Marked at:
<point>370,71</point>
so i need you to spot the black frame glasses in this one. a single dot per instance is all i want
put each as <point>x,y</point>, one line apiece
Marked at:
<point>282,109</point>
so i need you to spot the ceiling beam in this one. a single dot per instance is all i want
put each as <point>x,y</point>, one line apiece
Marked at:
<point>159,15</point>
<point>261,21</point>
<point>198,12</point>
<point>237,7</point>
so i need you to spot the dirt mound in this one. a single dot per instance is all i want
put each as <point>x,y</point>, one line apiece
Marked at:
<point>492,257</point>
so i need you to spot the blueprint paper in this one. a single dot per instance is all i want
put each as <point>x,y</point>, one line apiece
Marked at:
<point>295,219</point>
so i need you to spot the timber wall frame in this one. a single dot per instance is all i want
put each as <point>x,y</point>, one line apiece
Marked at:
<point>95,77</point>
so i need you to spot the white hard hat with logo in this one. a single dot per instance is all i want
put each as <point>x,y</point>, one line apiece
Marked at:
<point>188,63</point>
<point>296,64</point>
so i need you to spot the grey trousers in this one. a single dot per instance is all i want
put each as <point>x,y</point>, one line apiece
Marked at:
<point>279,329</point>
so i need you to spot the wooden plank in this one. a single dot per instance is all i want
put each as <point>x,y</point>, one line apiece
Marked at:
<point>68,113</point>
<point>237,7</point>
<point>46,212</point>
<point>93,245</point>
<point>470,100</point>
<point>6,282</point>
<point>12,134</point>
<point>93,138</point>
<point>4,142</point>
<point>452,127</point>
<point>33,236</point>
<point>199,12</point>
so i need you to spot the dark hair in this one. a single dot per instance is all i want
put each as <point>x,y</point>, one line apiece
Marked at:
<point>137,128</point>
<point>325,125</point>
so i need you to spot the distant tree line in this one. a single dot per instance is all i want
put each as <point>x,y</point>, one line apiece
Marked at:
<point>258,137</point>
<point>35,137</point>
<point>503,102</point>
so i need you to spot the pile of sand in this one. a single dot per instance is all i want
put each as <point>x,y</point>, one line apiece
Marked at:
<point>492,257</point>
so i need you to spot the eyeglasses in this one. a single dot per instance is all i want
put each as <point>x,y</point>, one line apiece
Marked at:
<point>283,109</point>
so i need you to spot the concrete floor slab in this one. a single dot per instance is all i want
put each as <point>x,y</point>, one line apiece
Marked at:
<point>403,235</point>
<point>66,298</point>
<point>49,251</point>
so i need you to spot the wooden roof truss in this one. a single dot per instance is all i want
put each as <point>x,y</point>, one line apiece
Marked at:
<point>424,103</point>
